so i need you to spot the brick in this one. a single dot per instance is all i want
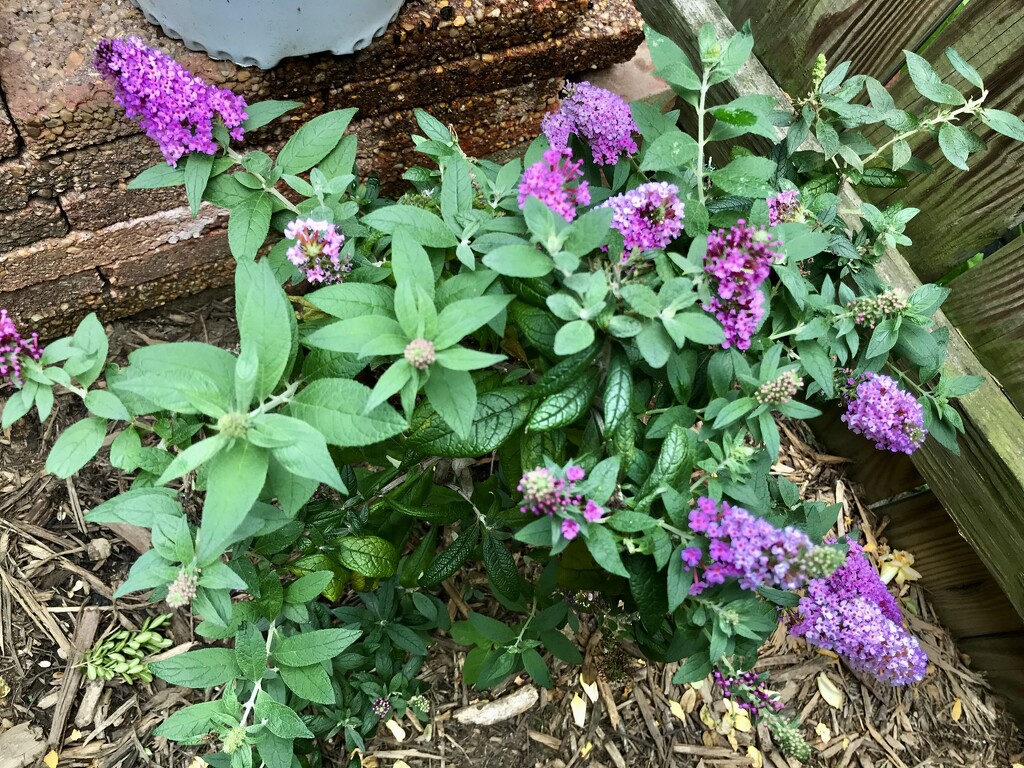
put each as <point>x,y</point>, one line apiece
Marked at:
<point>607,34</point>
<point>99,208</point>
<point>167,261</point>
<point>8,136</point>
<point>38,220</point>
<point>59,103</point>
<point>50,259</point>
<point>53,308</point>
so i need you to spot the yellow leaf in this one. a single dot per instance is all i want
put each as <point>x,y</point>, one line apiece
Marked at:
<point>731,736</point>
<point>585,749</point>
<point>51,759</point>
<point>75,734</point>
<point>707,718</point>
<point>755,757</point>
<point>579,710</point>
<point>829,692</point>
<point>824,733</point>
<point>400,764</point>
<point>958,710</point>
<point>677,709</point>
<point>589,688</point>
<point>4,688</point>
<point>396,730</point>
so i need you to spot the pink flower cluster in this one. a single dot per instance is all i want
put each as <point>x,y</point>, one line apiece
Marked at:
<point>752,550</point>
<point>182,590</point>
<point>852,613</point>
<point>649,217</point>
<point>317,250</point>
<point>555,182</point>
<point>783,207</point>
<point>13,348</point>
<point>739,261</point>
<point>885,414</point>
<point>177,109</point>
<point>599,117</point>
<point>545,493</point>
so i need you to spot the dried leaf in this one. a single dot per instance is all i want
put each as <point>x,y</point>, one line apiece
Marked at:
<point>590,689</point>
<point>4,688</point>
<point>401,764</point>
<point>707,718</point>
<point>755,757</point>
<point>958,709</point>
<point>51,759</point>
<point>829,692</point>
<point>677,710</point>
<point>824,733</point>
<point>579,710</point>
<point>585,749</point>
<point>396,730</point>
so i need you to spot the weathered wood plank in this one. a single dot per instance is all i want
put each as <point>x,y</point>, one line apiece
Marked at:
<point>983,489</point>
<point>987,305</point>
<point>964,594</point>
<point>1000,657</point>
<point>962,212</point>
<point>789,34</point>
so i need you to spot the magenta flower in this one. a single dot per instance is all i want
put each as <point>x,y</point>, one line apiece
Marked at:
<point>852,613</point>
<point>176,109</point>
<point>570,529</point>
<point>14,348</point>
<point>599,117</point>
<point>593,512</point>
<point>739,261</point>
<point>649,217</point>
<point>885,414</point>
<point>554,181</point>
<point>317,250</point>
<point>574,473</point>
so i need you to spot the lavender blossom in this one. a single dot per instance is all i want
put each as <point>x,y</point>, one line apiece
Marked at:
<point>317,250</point>
<point>599,117</point>
<point>649,217</point>
<point>852,613</point>
<point>551,181</point>
<point>14,349</point>
<point>885,414</point>
<point>739,261</point>
<point>177,109</point>
<point>783,207</point>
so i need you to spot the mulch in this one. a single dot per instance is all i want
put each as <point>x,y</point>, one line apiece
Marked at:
<point>57,576</point>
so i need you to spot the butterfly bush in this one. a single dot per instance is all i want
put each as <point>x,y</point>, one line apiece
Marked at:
<point>648,217</point>
<point>599,117</point>
<point>885,414</point>
<point>784,206</point>
<point>317,250</point>
<point>175,108</point>
<point>852,613</point>
<point>14,349</point>
<point>738,261</point>
<point>555,181</point>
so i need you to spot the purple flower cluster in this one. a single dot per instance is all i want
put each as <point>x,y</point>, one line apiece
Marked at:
<point>317,250</point>
<point>177,109</point>
<point>381,707</point>
<point>783,207</point>
<point>751,549</point>
<point>13,348</point>
<point>852,613</point>
<point>749,688</point>
<point>599,117</point>
<point>885,414</point>
<point>739,261</point>
<point>545,493</point>
<point>551,181</point>
<point>649,217</point>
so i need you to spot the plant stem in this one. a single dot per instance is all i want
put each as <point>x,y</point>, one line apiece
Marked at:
<point>276,400</point>
<point>701,108</point>
<point>267,187</point>
<point>942,117</point>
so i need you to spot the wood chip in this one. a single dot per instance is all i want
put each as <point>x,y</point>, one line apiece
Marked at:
<point>501,709</point>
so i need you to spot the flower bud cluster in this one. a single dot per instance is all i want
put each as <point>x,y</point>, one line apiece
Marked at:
<point>381,707</point>
<point>749,690</point>
<point>317,250</point>
<point>420,354</point>
<point>780,390</point>
<point>546,493</point>
<point>871,310</point>
<point>789,740</point>
<point>14,348</point>
<point>182,590</point>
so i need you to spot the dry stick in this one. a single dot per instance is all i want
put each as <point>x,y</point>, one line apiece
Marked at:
<point>39,616</point>
<point>85,633</point>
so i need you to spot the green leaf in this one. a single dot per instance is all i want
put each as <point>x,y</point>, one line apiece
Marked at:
<point>157,177</point>
<point>1005,123</point>
<point>883,338</point>
<point>449,561</point>
<point>882,178</point>
<point>453,396</point>
<point>695,668</point>
<point>426,227</point>
<point>499,413</point>
<point>672,63</point>
<point>106,405</point>
<point>304,450</point>
<point>679,580</point>
<point>649,591</point>
<point>371,556</point>
<point>193,456</point>
<point>654,344</point>
<point>313,646</point>
<point>536,668</point>
<point>410,263</point>
<point>697,327</point>
<point>462,359</point>
<point>250,652</point>
<point>928,83</point>
<point>817,363</point>
<point>406,639</point>
<point>969,73</point>
<point>236,477</point>
<point>313,141</point>
<point>90,339</point>
<point>561,647</point>
<point>264,323</point>
<point>672,151</point>
<point>605,550</point>
<point>191,724</point>
<point>456,190</point>
<point>573,337</point>
<point>336,407</point>
<point>18,404</point>
<point>249,225</point>
<point>501,568</point>
<point>198,167</point>
<point>274,752</point>
<point>746,176</point>
<point>351,300</point>
<point>204,668</point>
<point>280,720</point>
<point>519,260</point>
<point>565,407</point>
<point>76,445</point>
<point>308,587</point>
<point>618,392</point>
<point>955,144</point>
<point>311,683</point>
<point>674,460</point>
<point>263,112</point>
<point>463,317</point>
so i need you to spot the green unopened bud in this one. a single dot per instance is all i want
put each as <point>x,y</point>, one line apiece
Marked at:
<point>714,53</point>
<point>821,562</point>
<point>819,71</point>
<point>788,738</point>
<point>233,425</point>
<point>234,740</point>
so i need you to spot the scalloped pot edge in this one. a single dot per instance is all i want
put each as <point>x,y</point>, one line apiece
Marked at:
<point>259,33</point>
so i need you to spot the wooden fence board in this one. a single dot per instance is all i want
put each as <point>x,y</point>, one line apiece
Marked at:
<point>789,34</point>
<point>987,305</point>
<point>962,212</point>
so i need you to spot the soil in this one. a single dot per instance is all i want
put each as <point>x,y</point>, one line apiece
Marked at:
<point>57,576</point>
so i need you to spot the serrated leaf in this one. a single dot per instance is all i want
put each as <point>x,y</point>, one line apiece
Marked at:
<point>371,556</point>
<point>449,561</point>
<point>311,683</point>
<point>204,668</point>
<point>249,225</point>
<point>312,647</point>
<point>314,140</point>
<point>76,446</point>
<point>565,407</point>
<point>499,413</point>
